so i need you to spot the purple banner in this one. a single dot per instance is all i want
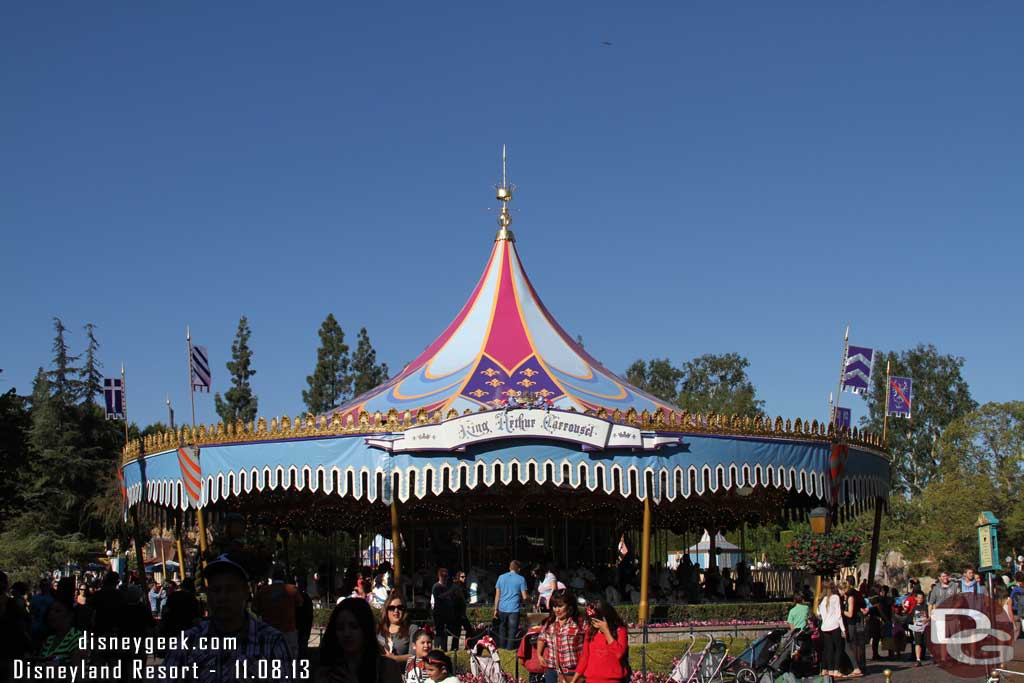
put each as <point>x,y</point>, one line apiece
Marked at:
<point>901,396</point>
<point>843,416</point>
<point>857,374</point>
<point>113,397</point>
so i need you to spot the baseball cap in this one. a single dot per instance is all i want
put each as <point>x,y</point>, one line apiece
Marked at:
<point>224,564</point>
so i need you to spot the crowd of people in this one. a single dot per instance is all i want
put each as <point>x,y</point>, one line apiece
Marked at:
<point>850,616</point>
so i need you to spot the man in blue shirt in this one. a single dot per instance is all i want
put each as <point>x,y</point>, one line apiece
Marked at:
<point>509,592</point>
<point>970,583</point>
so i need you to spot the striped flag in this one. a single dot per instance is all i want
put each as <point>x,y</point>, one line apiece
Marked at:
<point>200,369</point>
<point>857,369</point>
<point>113,397</point>
<point>120,481</point>
<point>191,474</point>
<point>836,466</point>
<point>901,396</point>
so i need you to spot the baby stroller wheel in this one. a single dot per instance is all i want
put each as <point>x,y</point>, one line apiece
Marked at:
<point>746,676</point>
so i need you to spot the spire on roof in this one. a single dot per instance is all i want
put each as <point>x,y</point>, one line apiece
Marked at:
<point>504,195</point>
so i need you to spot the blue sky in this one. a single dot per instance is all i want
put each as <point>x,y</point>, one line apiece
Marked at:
<point>723,177</point>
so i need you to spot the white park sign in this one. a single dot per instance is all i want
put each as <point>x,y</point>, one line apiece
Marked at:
<point>591,433</point>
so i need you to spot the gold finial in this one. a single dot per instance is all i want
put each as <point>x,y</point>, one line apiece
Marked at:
<point>504,195</point>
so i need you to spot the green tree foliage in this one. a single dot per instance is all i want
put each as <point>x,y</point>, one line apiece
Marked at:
<point>719,383</point>
<point>90,376</point>
<point>366,373</point>
<point>331,382</point>
<point>710,383</point>
<point>59,462</point>
<point>941,396</point>
<point>239,402</point>
<point>657,377</point>
<point>15,422</point>
<point>64,375</point>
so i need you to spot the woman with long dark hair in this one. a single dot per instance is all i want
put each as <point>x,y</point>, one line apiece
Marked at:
<point>605,656</point>
<point>393,630</point>
<point>349,651</point>
<point>560,643</point>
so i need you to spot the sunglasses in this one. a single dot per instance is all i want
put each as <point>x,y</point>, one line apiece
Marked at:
<point>395,608</point>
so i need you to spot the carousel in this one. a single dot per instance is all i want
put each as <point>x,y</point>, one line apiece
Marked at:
<point>506,439</point>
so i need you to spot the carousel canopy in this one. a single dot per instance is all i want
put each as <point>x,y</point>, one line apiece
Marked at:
<point>502,343</point>
<point>505,398</point>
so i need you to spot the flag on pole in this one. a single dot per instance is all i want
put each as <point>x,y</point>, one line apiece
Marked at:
<point>843,416</point>
<point>121,485</point>
<point>901,396</point>
<point>857,370</point>
<point>191,474</point>
<point>113,397</point>
<point>200,369</point>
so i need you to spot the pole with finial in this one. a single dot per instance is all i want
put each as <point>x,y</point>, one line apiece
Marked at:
<point>200,522</point>
<point>842,376</point>
<point>504,195</point>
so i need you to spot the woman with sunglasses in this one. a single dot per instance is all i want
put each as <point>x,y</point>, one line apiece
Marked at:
<point>393,630</point>
<point>605,656</point>
<point>349,651</point>
<point>416,667</point>
<point>560,643</point>
<point>439,668</point>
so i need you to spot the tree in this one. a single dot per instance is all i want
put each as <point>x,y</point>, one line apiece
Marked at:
<point>657,377</point>
<point>15,422</point>
<point>63,376</point>
<point>331,381</point>
<point>90,377</point>
<point>941,395</point>
<point>366,373</point>
<point>719,383</point>
<point>239,403</point>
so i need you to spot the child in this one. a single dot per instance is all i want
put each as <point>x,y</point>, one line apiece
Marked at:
<point>439,668</point>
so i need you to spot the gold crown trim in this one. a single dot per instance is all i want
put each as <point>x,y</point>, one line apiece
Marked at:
<point>303,427</point>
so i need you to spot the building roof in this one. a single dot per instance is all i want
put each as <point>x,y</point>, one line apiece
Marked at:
<point>503,342</point>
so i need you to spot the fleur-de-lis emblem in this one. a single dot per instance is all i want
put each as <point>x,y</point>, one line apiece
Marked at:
<point>545,393</point>
<point>478,393</point>
<point>494,382</point>
<point>526,383</point>
<point>490,372</point>
<point>529,372</point>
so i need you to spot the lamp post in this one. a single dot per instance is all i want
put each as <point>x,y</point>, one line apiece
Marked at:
<point>821,519</point>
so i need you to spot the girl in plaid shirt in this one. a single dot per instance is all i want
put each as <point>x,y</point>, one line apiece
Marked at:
<point>561,642</point>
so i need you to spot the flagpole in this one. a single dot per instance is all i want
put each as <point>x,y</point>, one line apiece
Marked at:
<point>885,418</point>
<point>135,510</point>
<point>170,413</point>
<point>195,443</point>
<point>842,376</point>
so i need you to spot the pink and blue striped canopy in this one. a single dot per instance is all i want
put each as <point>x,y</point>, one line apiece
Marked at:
<point>503,342</point>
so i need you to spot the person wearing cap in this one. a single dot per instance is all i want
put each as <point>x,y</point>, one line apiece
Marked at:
<point>257,646</point>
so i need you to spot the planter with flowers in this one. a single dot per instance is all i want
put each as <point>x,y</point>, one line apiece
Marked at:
<point>824,554</point>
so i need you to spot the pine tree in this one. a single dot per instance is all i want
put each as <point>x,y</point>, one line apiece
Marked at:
<point>239,403</point>
<point>366,374</point>
<point>91,378</point>
<point>63,376</point>
<point>330,384</point>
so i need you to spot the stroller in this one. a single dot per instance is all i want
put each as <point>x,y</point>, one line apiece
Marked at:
<point>527,655</point>
<point>749,664</point>
<point>485,662</point>
<point>705,666</point>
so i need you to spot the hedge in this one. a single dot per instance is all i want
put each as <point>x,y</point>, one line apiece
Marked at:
<point>663,613</point>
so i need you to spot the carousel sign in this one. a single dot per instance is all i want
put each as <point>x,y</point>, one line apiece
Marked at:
<point>591,433</point>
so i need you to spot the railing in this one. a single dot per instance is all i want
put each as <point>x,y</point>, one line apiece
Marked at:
<point>781,583</point>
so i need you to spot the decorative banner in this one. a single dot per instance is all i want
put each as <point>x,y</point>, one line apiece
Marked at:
<point>843,416</point>
<point>121,485</point>
<point>191,474</point>
<point>200,369</point>
<point>592,433</point>
<point>857,374</point>
<point>837,465</point>
<point>901,396</point>
<point>113,397</point>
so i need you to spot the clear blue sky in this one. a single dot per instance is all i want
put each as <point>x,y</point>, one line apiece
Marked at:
<point>723,177</point>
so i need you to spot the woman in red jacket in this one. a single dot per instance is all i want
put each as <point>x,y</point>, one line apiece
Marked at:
<point>605,656</point>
